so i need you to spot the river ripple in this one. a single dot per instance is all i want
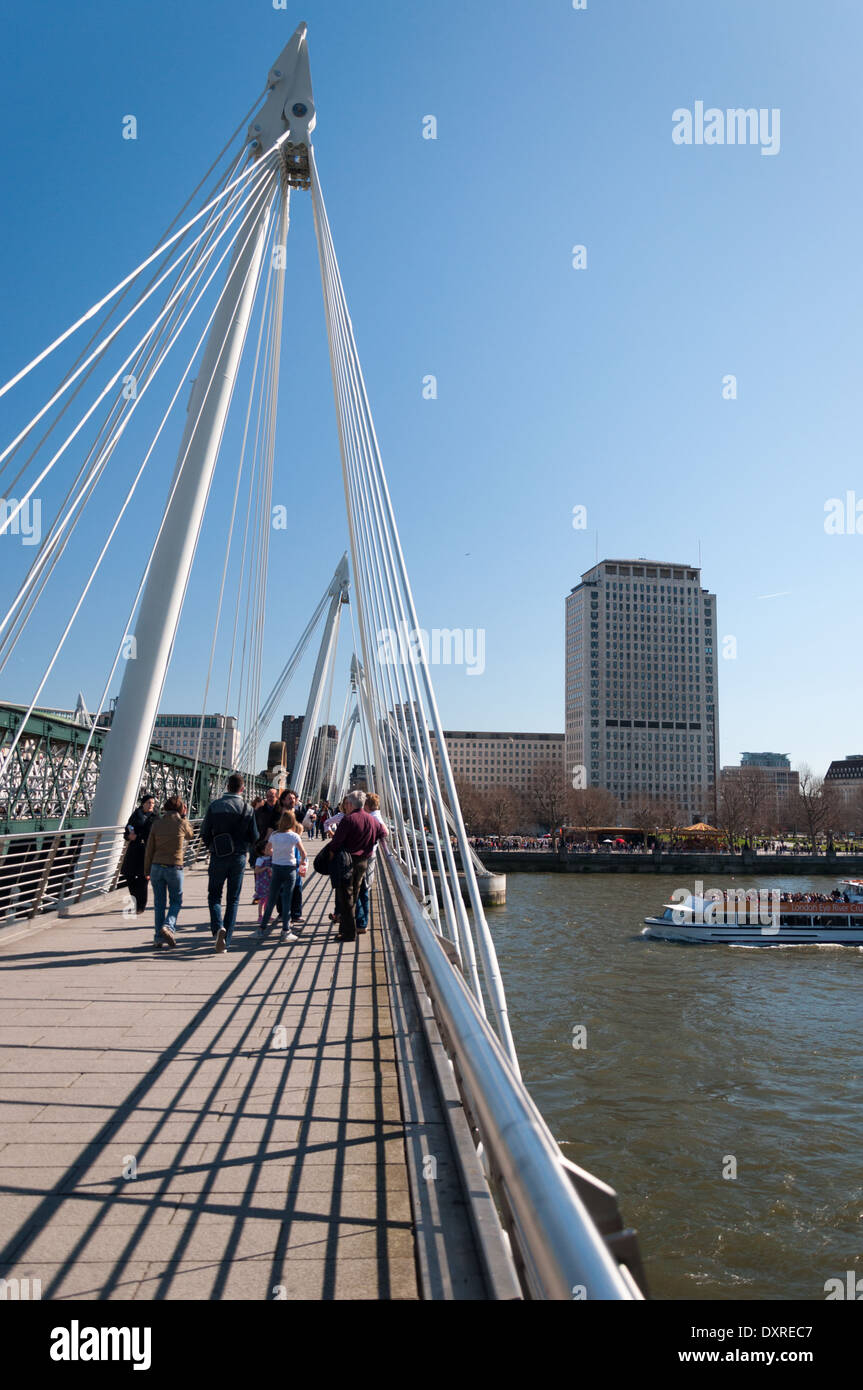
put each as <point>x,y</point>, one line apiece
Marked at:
<point>694,1054</point>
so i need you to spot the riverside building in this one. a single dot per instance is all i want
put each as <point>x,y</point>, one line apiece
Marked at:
<point>845,777</point>
<point>501,760</point>
<point>641,684</point>
<point>220,738</point>
<point>776,772</point>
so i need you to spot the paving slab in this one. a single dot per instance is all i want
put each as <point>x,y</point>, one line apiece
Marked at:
<point>256,1092</point>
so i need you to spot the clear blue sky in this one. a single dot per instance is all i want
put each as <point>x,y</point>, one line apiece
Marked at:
<point>556,387</point>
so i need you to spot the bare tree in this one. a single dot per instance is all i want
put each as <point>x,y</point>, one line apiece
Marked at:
<point>549,794</point>
<point>593,807</point>
<point>756,798</point>
<point>820,805</point>
<point>646,814</point>
<point>731,806</point>
<point>470,803</point>
<point>498,811</point>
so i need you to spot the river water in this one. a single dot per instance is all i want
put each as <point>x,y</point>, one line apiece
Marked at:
<point>695,1056</point>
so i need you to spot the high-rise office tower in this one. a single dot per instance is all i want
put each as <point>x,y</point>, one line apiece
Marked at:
<point>642,713</point>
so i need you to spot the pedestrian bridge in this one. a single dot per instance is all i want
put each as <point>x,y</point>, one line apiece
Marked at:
<point>312,1121</point>
<point>280,1122</point>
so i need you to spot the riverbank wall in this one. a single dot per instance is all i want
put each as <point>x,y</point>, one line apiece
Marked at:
<point>693,865</point>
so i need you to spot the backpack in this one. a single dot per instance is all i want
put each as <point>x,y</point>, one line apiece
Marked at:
<point>223,843</point>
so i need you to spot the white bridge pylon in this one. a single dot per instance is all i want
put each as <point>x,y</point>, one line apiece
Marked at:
<point>393,703</point>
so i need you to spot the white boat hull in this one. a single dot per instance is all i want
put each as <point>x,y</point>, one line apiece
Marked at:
<point>731,934</point>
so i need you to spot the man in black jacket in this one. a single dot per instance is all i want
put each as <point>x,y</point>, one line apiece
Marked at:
<point>137,831</point>
<point>228,831</point>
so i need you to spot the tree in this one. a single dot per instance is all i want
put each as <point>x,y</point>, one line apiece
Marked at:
<point>497,811</point>
<point>646,814</point>
<point>820,805</point>
<point>756,799</point>
<point>469,801</point>
<point>592,807</point>
<point>731,807</point>
<point>549,794</point>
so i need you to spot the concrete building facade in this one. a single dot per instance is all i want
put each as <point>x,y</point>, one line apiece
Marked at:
<point>641,700</point>
<point>775,769</point>
<point>220,737</point>
<point>512,760</point>
<point>845,776</point>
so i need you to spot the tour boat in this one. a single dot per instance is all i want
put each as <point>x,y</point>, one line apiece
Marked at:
<point>737,917</point>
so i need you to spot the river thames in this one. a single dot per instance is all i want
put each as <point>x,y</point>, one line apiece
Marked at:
<point>698,1060</point>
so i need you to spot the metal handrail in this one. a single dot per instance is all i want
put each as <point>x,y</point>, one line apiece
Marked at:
<point>48,870</point>
<point>560,1248</point>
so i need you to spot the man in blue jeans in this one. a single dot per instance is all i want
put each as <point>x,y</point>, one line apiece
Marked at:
<point>228,831</point>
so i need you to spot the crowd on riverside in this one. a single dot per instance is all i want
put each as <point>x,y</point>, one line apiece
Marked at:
<point>668,844</point>
<point>266,837</point>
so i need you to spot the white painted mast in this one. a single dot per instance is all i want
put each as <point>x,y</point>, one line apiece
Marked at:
<point>286,120</point>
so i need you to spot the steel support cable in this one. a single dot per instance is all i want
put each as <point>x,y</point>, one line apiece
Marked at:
<point>127,280</point>
<point>240,588</point>
<point>456,917</point>
<point>264,209</point>
<point>358,667</point>
<point>367,603</point>
<point>10,516</point>
<point>349,434</point>
<point>175,483</point>
<point>115,331</point>
<point>395,697</point>
<point>287,672</point>
<point>385,617</point>
<point>229,541</point>
<point>247,656</point>
<point>64,523</point>
<point>337,751</point>
<point>214,198</point>
<point>485,943</point>
<point>345,323</point>
<point>386,764</point>
<point>323,742</point>
<point>458,930</point>
<point>269,459</point>
<point>214,216</point>
<point>253,213</point>
<point>374,731</point>
<point>246,662</point>
<point>391,803</point>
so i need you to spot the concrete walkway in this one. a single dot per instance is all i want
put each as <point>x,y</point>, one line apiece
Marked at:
<point>182,1125</point>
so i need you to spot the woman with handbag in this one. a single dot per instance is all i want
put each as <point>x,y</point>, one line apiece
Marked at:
<point>163,861</point>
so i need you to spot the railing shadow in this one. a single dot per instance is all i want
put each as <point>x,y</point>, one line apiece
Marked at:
<point>306,981</point>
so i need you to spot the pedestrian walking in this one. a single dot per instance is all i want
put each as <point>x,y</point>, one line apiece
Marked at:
<point>266,819</point>
<point>163,861</point>
<point>355,837</point>
<point>285,844</point>
<point>136,833</point>
<point>228,832</point>
<point>372,806</point>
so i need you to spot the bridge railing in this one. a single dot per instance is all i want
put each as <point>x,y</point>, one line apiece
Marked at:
<point>564,1227</point>
<point>47,871</point>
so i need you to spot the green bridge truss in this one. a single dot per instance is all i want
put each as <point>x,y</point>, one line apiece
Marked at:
<point>35,786</point>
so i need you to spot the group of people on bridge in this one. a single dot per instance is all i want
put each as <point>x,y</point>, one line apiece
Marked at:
<point>267,837</point>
